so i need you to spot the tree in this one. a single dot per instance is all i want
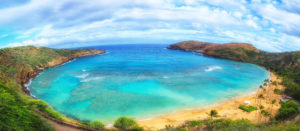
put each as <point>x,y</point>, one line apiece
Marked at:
<point>261,107</point>
<point>213,113</point>
<point>266,80</point>
<point>265,84</point>
<point>261,96</point>
<point>126,123</point>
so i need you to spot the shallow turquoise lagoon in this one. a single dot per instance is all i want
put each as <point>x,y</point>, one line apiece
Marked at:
<point>142,81</point>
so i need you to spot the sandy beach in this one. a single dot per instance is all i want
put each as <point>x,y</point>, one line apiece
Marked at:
<point>226,109</point>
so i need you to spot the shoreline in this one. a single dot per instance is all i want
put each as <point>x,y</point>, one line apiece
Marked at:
<point>26,85</point>
<point>54,63</point>
<point>227,109</point>
<point>69,123</point>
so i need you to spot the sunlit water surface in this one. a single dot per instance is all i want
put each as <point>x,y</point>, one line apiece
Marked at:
<point>142,81</point>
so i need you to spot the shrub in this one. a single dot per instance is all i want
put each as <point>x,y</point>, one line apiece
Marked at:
<point>261,107</point>
<point>97,125</point>
<point>137,128</point>
<point>169,127</point>
<point>228,125</point>
<point>194,123</point>
<point>261,96</point>
<point>287,110</point>
<point>265,113</point>
<point>273,101</point>
<point>126,123</point>
<point>247,108</point>
<point>287,104</point>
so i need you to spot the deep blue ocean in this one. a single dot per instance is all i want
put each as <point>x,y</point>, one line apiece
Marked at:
<point>142,81</point>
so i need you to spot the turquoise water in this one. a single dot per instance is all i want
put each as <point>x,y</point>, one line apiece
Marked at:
<point>142,81</point>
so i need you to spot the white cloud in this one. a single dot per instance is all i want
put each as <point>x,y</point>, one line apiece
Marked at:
<point>288,20</point>
<point>40,42</point>
<point>252,24</point>
<point>45,23</point>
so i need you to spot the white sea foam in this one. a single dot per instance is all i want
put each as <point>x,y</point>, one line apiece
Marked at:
<point>68,62</point>
<point>165,77</point>
<point>28,84</point>
<point>212,68</point>
<point>91,79</point>
<point>83,75</point>
<point>107,52</point>
<point>84,70</point>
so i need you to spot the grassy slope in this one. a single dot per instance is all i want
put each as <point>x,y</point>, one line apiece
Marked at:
<point>18,65</point>
<point>17,114</point>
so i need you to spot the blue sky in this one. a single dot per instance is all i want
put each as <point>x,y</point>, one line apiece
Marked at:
<point>271,25</point>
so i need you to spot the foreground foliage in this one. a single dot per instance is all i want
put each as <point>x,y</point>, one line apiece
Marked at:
<point>127,124</point>
<point>97,125</point>
<point>15,114</point>
<point>233,125</point>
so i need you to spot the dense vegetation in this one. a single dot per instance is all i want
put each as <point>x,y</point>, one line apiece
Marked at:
<point>127,124</point>
<point>287,110</point>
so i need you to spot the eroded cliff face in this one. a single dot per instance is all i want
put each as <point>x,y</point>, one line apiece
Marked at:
<point>24,75</point>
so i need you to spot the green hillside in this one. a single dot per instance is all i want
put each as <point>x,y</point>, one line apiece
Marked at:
<point>17,66</point>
